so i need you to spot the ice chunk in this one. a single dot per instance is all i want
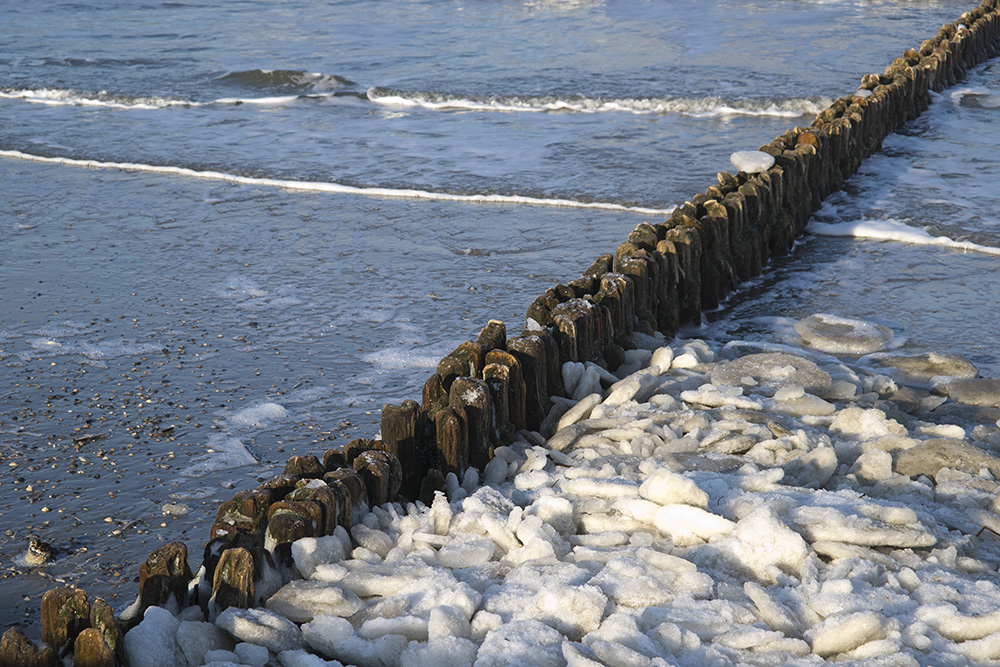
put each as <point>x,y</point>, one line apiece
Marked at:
<point>466,554</point>
<point>260,626</point>
<point>446,621</point>
<point>196,638</point>
<point>556,511</point>
<point>764,547</point>
<point>687,525</point>
<point>371,539</point>
<point>301,600</point>
<point>413,628</point>
<point>712,396</point>
<point>844,632</point>
<point>922,368</point>
<point>873,465</point>
<point>579,411</point>
<point>302,658</point>
<point>792,400</point>
<point>444,652</point>
<point>620,631</point>
<point>152,643</point>
<point>669,488</point>
<point>773,370</point>
<point>334,637</point>
<point>600,488</point>
<point>662,358</point>
<point>980,392</point>
<point>572,610</point>
<point>932,455</point>
<point>886,528</point>
<point>813,469</point>
<point>981,650</point>
<point>842,335</point>
<point>521,643</point>
<point>865,424</point>
<point>771,611</point>
<point>956,626</point>
<point>221,656</point>
<point>309,552</point>
<point>251,654</point>
<point>752,162</point>
<point>637,387</point>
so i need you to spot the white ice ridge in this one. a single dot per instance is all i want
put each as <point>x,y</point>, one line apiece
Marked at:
<point>332,188</point>
<point>720,505</point>
<point>894,230</point>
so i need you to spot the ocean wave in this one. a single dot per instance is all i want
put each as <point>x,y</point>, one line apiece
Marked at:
<point>293,86</point>
<point>69,97</point>
<point>287,79</point>
<point>894,230</point>
<point>697,107</point>
<point>334,188</point>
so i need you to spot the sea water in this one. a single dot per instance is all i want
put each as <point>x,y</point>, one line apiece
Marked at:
<point>233,231</point>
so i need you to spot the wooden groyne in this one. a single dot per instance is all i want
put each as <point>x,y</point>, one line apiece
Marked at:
<point>660,278</point>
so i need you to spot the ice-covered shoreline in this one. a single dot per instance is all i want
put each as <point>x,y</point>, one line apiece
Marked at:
<point>724,504</point>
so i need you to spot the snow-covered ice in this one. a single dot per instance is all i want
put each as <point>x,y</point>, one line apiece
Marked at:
<point>720,506</point>
<point>752,162</point>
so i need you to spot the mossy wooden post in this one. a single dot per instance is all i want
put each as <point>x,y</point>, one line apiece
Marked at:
<point>687,245</point>
<point>636,264</point>
<point>493,336</point>
<point>65,613</point>
<point>516,389</point>
<point>575,325</point>
<point>165,574</point>
<point>434,396</point>
<point>530,354</point>
<point>328,501</point>
<point>666,288</point>
<point>306,466</point>
<point>473,396</point>
<point>451,428</point>
<point>233,584</point>
<point>403,428</point>
<point>17,650</point>
<point>246,511</point>
<point>90,650</point>
<point>381,473</point>
<point>497,378</point>
<point>467,360</point>
<point>102,619</point>
<point>540,310</point>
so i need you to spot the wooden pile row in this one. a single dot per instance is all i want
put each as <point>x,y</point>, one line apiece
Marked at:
<point>663,276</point>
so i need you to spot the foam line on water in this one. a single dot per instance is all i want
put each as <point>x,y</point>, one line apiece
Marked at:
<point>333,188</point>
<point>893,230</point>
<point>696,107</point>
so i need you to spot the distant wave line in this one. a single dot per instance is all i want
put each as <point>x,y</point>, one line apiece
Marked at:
<point>706,107</point>
<point>333,188</point>
<point>696,107</point>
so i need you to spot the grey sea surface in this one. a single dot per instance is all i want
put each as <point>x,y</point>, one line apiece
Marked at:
<point>170,333</point>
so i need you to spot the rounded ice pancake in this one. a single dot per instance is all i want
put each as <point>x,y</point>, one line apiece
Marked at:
<point>843,335</point>
<point>924,367</point>
<point>772,370</point>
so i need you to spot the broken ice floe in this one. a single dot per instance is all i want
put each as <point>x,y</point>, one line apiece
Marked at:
<point>709,507</point>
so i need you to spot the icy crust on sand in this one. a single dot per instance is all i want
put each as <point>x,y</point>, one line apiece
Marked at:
<point>722,505</point>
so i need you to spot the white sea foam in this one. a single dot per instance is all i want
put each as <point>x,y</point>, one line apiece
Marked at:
<point>697,107</point>
<point>332,188</point>
<point>893,230</point>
